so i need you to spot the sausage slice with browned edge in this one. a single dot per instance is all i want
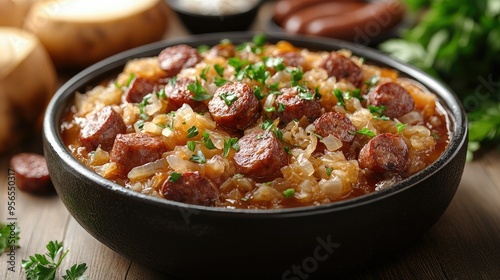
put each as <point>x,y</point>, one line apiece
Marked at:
<point>101,129</point>
<point>395,98</point>
<point>384,152</point>
<point>191,188</point>
<point>261,155</point>
<point>338,125</point>
<point>174,59</point>
<point>135,149</point>
<point>177,93</point>
<point>140,87</point>
<point>31,173</point>
<point>296,102</point>
<point>234,106</point>
<point>342,68</point>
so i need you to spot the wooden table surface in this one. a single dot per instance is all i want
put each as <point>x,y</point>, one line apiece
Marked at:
<point>463,244</point>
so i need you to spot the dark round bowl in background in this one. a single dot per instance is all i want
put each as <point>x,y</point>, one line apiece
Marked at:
<point>200,23</point>
<point>196,242</point>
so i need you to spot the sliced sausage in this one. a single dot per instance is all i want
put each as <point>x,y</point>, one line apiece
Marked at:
<point>338,125</point>
<point>296,102</point>
<point>174,59</point>
<point>234,106</point>
<point>286,8</point>
<point>135,149</point>
<point>177,93</point>
<point>342,68</point>
<point>101,128</point>
<point>384,152</point>
<point>191,188</point>
<point>293,59</point>
<point>395,98</point>
<point>223,50</point>
<point>140,87</point>
<point>261,155</point>
<point>31,173</point>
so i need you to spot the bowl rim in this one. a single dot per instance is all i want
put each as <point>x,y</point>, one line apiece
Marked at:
<point>62,97</point>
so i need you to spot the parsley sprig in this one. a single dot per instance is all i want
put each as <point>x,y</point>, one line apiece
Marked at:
<point>6,240</point>
<point>45,266</point>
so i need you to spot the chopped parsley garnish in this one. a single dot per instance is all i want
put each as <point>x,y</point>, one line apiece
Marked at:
<point>258,72</point>
<point>281,107</point>
<point>140,124</point>
<point>328,170</point>
<point>366,131</point>
<point>142,105</point>
<point>340,97</point>
<point>288,193</point>
<point>202,48</point>
<point>297,75</point>
<point>219,69</point>
<point>191,145</point>
<point>287,150</point>
<point>275,86</point>
<point>316,91</point>
<point>401,126</point>
<point>161,94</point>
<point>218,81</point>
<point>228,144</point>
<point>192,132</point>
<point>259,40</point>
<point>356,94</point>
<point>198,158</point>
<point>204,72</point>
<point>373,81</point>
<point>228,97</point>
<point>378,112</point>
<point>131,78</point>
<point>274,62</point>
<point>199,92</point>
<point>305,93</point>
<point>207,142</point>
<point>268,125</point>
<point>174,177</point>
<point>269,109</point>
<point>257,91</point>
<point>237,63</point>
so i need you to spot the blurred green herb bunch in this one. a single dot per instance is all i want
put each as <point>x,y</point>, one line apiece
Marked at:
<point>458,42</point>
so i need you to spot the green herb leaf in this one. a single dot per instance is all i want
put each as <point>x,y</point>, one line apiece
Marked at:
<point>192,132</point>
<point>202,48</point>
<point>401,126</point>
<point>191,145</point>
<point>174,177</point>
<point>7,241</point>
<point>288,193</point>
<point>76,272</point>
<point>40,267</point>
<point>142,106</point>
<point>228,144</point>
<point>373,81</point>
<point>257,91</point>
<point>340,97</point>
<point>198,158</point>
<point>275,62</point>
<point>228,97</point>
<point>199,92</point>
<point>328,170</point>
<point>305,93</point>
<point>220,81</point>
<point>259,40</point>
<point>365,131</point>
<point>219,69</point>
<point>269,109</point>
<point>204,72</point>
<point>281,107</point>
<point>297,75</point>
<point>207,142</point>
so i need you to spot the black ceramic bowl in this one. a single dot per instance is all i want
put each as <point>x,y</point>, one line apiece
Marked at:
<point>198,23</point>
<point>191,241</point>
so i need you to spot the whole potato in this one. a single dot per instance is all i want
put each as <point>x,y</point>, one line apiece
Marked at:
<point>27,82</point>
<point>77,33</point>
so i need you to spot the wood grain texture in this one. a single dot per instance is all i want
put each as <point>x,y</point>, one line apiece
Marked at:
<point>463,244</point>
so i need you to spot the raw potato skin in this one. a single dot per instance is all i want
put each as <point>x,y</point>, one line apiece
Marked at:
<point>24,93</point>
<point>77,44</point>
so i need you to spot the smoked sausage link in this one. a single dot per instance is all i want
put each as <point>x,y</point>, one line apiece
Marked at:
<point>140,87</point>
<point>31,173</point>
<point>101,128</point>
<point>342,68</point>
<point>295,106</point>
<point>174,59</point>
<point>234,106</point>
<point>135,149</point>
<point>395,98</point>
<point>191,188</point>
<point>177,93</point>
<point>338,125</point>
<point>384,152</point>
<point>261,155</point>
